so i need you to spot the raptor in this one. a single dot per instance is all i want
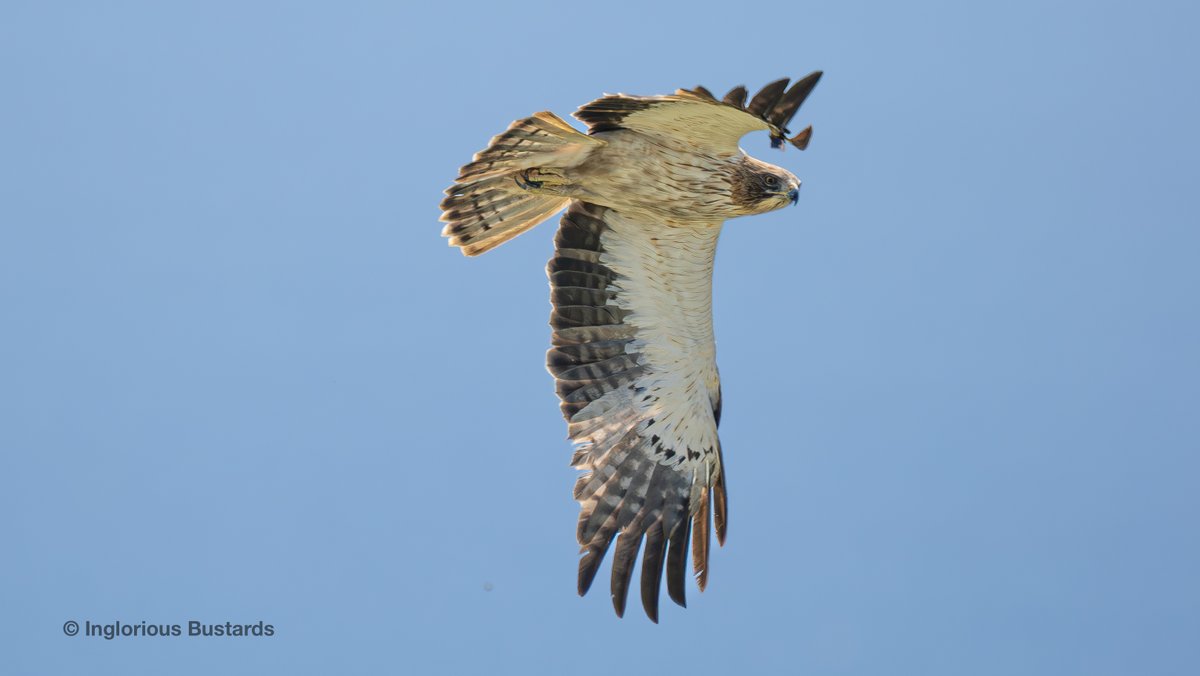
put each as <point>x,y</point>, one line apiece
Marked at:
<point>647,190</point>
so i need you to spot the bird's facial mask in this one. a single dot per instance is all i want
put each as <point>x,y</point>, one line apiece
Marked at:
<point>760,187</point>
<point>775,190</point>
<point>786,187</point>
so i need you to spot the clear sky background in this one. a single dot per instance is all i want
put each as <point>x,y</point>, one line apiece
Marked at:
<point>243,378</point>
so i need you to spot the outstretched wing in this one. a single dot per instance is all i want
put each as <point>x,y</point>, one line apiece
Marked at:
<point>635,365</point>
<point>696,116</point>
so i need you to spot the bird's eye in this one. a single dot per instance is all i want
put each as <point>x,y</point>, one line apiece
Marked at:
<point>772,182</point>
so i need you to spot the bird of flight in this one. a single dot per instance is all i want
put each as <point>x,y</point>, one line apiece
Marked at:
<point>646,189</point>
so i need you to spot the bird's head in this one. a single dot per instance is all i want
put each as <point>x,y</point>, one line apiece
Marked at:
<point>757,187</point>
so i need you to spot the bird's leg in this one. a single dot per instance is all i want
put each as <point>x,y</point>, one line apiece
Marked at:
<point>543,180</point>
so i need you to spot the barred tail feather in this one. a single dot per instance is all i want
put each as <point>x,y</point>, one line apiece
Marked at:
<point>487,206</point>
<point>478,228</point>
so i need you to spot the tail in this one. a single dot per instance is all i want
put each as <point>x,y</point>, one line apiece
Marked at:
<point>487,206</point>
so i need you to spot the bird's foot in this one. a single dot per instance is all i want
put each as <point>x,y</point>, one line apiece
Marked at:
<point>540,180</point>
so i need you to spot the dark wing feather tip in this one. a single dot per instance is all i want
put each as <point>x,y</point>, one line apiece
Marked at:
<point>736,97</point>
<point>652,570</point>
<point>677,563</point>
<point>787,105</point>
<point>622,568</point>
<point>766,98</point>
<point>801,140</point>
<point>776,104</point>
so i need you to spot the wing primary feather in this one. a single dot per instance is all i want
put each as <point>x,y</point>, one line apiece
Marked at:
<point>703,91</point>
<point>720,507</point>
<point>701,526</point>
<point>626,553</point>
<point>785,108</point>
<point>767,97</point>
<point>801,140</point>
<point>589,562</point>
<point>677,562</point>
<point>652,569</point>
<point>736,97</point>
<point>594,521</point>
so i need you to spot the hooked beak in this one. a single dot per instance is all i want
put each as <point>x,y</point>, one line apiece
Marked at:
<point>794,195</point>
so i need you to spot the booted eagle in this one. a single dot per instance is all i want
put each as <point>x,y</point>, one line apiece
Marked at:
<point>646,189</point>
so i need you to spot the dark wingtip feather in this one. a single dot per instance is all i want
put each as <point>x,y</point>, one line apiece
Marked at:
<point>677,562</point>
<point>766,98</point>
<point>628,544</point>
<point>736,97</point>
<point>701,525</point>
<point>652,569</point>
<point>720,508</point>
<point>590,562</point>
<point>801,140</point>
<point>776,104</point>
<point>786,106</point>
<point>703,91</point>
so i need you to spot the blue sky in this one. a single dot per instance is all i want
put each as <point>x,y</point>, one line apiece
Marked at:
<point>245,380</point>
